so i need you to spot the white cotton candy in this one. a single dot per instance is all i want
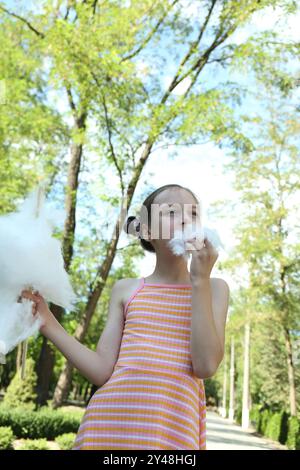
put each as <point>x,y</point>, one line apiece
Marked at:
<point>177,243</point>
<point>17,323</point>
<point>30,257</point>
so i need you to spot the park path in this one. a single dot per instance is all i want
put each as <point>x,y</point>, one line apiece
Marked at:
<point>224,435</point>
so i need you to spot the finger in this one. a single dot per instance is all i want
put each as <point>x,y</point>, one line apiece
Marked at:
<point>196,244</point>
<point>28,295</point>
<point>208,243</point>
<point>191,247</point>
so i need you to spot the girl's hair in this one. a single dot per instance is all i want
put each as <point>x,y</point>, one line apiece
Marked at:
<point>132,225</point>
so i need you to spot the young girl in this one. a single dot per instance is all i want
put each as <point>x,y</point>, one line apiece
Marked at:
<point>164,335</point>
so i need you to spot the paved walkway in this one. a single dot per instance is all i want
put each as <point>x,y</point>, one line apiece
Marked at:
<point>224,435</point>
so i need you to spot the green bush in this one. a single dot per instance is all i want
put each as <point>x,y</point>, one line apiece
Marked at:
<point>293,436</point>
<point>66,441</point>
<point>46,423</point>
<point>6,438</point>
<point>265,416</point>
<point>283,427</point>
<point>273,427</point>
<point>255,416</point>
<point>34,444</point>
<point>21,393</point>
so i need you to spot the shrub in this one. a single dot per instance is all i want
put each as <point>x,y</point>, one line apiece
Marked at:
<point>66,441</point>
<point>36,424</point>
<point>255,416</point>
<point>6,438</point>
<point>265,416</point>
<point>293,435</point>
<point>34,444</point>
<point>273,427</point>
<point>284,427</point>
<point>21,393</point>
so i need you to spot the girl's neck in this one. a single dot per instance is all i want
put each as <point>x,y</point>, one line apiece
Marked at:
<point>170,269</point>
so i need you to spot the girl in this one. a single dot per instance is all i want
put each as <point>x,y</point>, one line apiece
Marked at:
<point>164,335</point>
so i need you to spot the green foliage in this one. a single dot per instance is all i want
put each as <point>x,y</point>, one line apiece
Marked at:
<point>34,444</point>
<point>293,437</point>
<point>269,379</point>
<point>21,392</point>
<point>265,417</point>
<point>276,428</point>
<point>255,416</point>
<point>212,391</point>
<point>66,441</point>
<point>6,438</point>
<point>46,423</point>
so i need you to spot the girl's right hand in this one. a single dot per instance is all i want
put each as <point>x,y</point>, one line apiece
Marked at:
<point>39,306</point>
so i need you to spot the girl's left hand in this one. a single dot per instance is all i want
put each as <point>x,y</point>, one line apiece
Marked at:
<point>204,256</point>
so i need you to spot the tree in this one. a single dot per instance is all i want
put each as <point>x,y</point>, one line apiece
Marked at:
<point>268,180</point>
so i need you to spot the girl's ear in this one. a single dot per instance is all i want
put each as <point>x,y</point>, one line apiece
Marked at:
<point>132,226</point>
<point>145,232</point>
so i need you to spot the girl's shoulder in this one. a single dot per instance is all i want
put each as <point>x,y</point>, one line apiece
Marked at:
<point>126,288</point>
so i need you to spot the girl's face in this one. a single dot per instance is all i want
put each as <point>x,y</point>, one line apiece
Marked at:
<point>173,209</point>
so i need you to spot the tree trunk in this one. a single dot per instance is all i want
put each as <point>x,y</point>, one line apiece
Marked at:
<point>44,370</point>
<point>86,392</point>
<point>231,390</point>
<point>245,410</point>
<point>19,356</point>
<point>291,372</point>
<point>45,363</point>
<point>63,384</point>
<point>223,410</point>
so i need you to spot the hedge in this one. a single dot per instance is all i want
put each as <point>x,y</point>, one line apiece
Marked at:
<point>45,423</point>
<point>66,441</point>
<point>293,437</point>
<point>6,438</point>
<point>34,444</point>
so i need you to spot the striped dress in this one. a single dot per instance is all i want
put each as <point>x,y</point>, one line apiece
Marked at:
<point>152,399</point>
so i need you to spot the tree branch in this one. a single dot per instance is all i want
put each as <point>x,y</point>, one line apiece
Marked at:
<point>150,35</point>
<point>165,146</point>
<point>194,44</point>
<point>112,150</point>
<point>71,102</point>
<point>38,33</point>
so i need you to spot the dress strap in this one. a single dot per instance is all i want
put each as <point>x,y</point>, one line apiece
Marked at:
<point>139,287</point>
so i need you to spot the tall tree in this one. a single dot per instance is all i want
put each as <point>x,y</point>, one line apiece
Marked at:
<point>268,180</point>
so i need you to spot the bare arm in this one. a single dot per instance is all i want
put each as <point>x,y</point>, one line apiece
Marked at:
<point>96,366</point>
<point>209,311</point>
<point>89,363</point>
